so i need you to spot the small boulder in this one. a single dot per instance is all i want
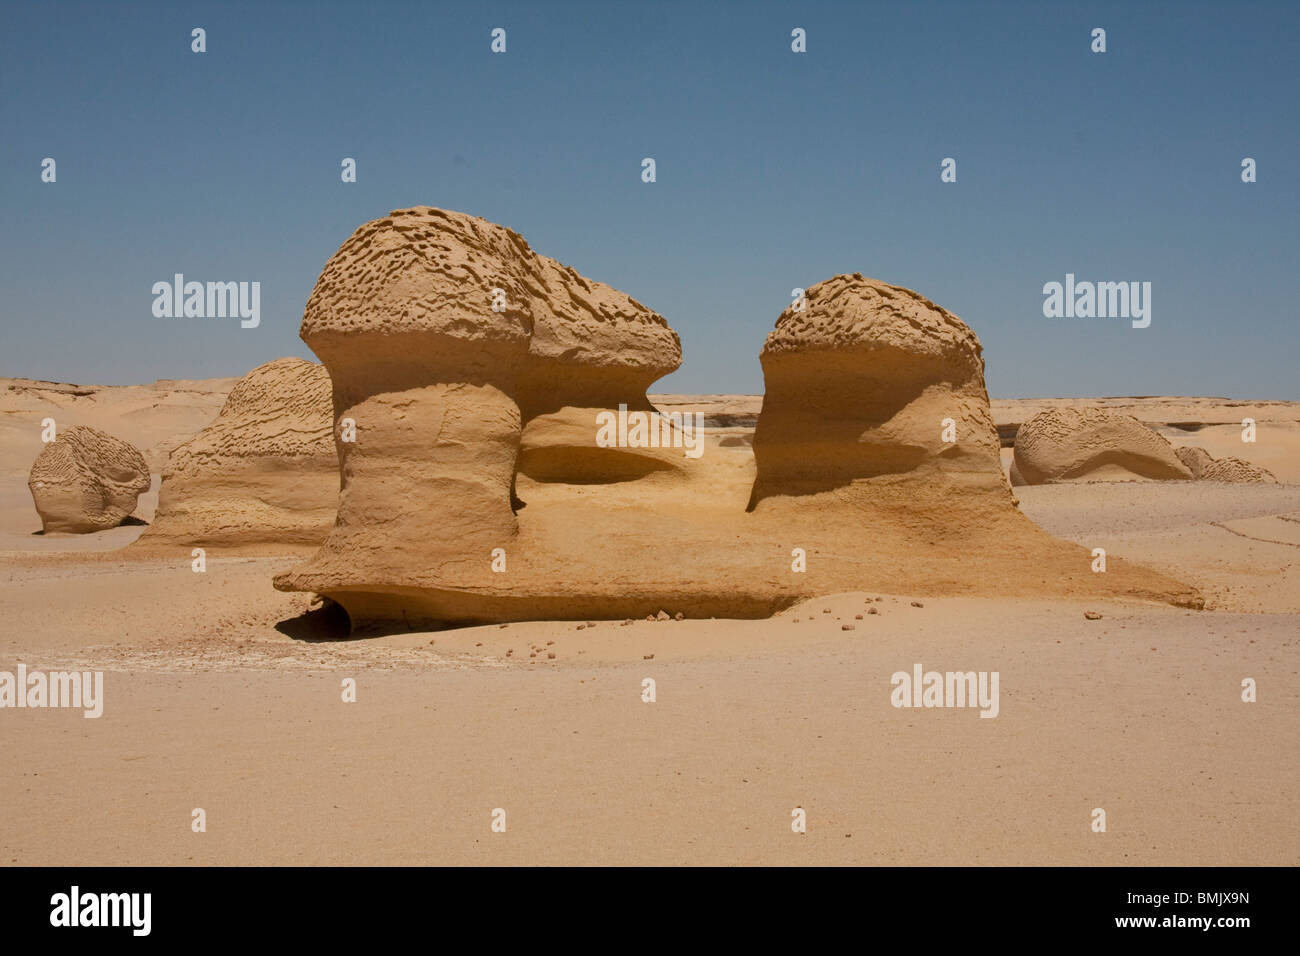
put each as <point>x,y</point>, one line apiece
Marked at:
<point>86,480</point>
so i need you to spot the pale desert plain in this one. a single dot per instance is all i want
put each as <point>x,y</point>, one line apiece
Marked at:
<point>222,689</point>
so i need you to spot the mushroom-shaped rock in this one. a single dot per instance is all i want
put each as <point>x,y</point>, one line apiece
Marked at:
<point>865,379</point>
<point>437,329</point>
<point>1092,444</point>
<point>479,486</point>
<point>86,480</point>
<point>1205,467</point>
<point>263,472</point>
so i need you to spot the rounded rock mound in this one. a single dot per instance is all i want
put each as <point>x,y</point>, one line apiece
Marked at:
<point>86,480</point>
<point>264,471</point>
<point>1092,444</point>
<point>867,380</point>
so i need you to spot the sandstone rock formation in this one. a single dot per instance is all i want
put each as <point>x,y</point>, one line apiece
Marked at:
<point>1205,467</point>
<point>263,473</point>
<point>86,480</point>
<point>477,490</point>
<point>592,348</point>
<point>1092,444</point>
<point>443,333</point>
<point>864,381</point>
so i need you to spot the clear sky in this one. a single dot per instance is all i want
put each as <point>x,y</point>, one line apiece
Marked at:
<point>774,170</point>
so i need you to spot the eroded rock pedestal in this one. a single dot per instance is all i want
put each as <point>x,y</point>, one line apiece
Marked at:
<point>476,371</point>
<point>444,334</point>
<point>869,380</point>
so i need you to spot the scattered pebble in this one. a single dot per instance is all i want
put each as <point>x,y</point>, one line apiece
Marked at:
<point>679,616</point>
<point>826,610</point>
<point>857,617</point>
<point>647,657</point>
<point>1092,615</point>
<point>479,644</point>
<point>847,627</point>
<point>550,655</point>
<point>873,610</point>
<point>626,623</point>
<point>549,643</point>
<point>917,604</point>
<point>582,627</point>
<point>661,616</point>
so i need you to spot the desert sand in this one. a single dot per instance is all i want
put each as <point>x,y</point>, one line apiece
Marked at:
<point>226,696</point>
<point>224,690</point>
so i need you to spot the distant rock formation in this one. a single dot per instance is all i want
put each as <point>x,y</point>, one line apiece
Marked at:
<point>263,473</point>
<point>1091,444</point>
<point>868,379</point>
<point>86,480</point>
<point>1205,467</point>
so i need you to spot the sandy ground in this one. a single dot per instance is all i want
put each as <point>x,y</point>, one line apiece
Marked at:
<point>226,695</point>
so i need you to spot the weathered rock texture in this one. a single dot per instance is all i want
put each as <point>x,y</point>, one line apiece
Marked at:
<point>1205,467</point>
<point>476,489</point>
<point>86,480</point>
<point>443,333</point>
<point>1092,444</point>
<point>264,473</point>
<point>863,382</point>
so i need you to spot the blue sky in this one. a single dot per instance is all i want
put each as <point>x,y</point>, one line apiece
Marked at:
<point>775,170</point>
